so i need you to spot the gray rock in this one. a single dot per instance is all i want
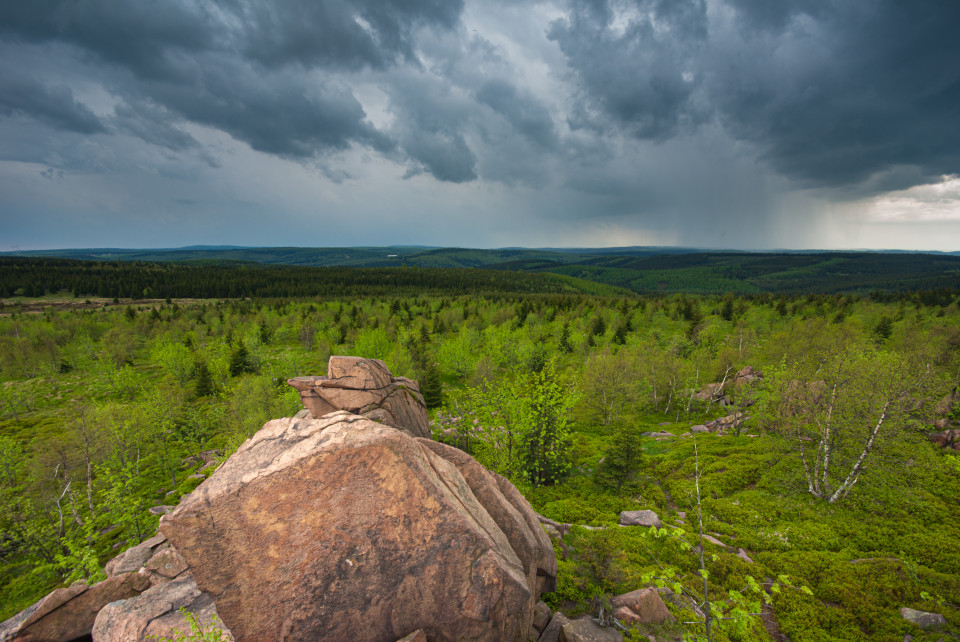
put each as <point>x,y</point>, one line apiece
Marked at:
<point>640,518</point>
<point>161,510</point>
<point>584,629</point>
<point>923,619</point>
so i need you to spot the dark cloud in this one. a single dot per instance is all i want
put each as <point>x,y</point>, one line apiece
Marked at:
<point>831,92</point>
<point>843,93</point>
<point>53,105</point>
<point>151,123</point>
<point>335,33</point>
<point>135,35</point>
<point>234,65</point>
<point>524,112</point>
<point>634,61</point>
<point>277,113</point>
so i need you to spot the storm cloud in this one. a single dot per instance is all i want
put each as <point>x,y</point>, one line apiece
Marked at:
<point>676,121</point>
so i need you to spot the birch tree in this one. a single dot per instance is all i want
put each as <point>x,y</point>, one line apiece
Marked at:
<point>837,408</point>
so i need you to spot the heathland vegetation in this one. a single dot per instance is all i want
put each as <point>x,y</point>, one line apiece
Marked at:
<point>801,422</point>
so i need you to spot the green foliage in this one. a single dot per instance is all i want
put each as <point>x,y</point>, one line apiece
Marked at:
<point>523,396</point>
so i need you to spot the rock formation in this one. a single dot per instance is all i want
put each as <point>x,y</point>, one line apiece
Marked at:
<point>721,392</point>
<point>365,387</point>
<point>949,439</point>
<point>343,528</point>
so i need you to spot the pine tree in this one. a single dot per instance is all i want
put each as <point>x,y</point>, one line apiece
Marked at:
<point>624,457</point>
<point>563,343</point>
<point>204,380</point>
<point>599,327</point>
<point>240,360</point>
<point>431,387</point>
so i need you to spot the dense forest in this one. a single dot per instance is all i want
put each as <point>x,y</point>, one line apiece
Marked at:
<point>37,277</point>
<point>116,394</point>
<point>639,269</point>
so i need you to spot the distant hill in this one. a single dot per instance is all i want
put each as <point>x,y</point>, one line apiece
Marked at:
<point>638,269</point>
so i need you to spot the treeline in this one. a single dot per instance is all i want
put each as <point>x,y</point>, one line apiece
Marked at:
<point>32,277</point>
<point>742,273</point>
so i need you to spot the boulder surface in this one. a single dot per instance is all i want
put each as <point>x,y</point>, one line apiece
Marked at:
<point>343,528</point>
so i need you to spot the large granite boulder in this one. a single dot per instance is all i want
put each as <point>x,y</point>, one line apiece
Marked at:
<point>343,528</point>
<point>69,613</point>
<point>365,387</point>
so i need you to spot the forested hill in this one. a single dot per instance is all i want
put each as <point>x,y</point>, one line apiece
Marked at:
<point>639,269</point>
<point>34,277</point>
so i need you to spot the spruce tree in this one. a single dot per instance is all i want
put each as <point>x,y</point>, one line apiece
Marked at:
<point>204,380</point>
<point>431,387</point>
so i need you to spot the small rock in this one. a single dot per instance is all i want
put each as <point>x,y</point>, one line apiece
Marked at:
<point>923,619</point>
<point>197,476</point>
<point>584,629</point>
<point>133,559</point>
<point>161,510</point>
<point>662,434</point>
<point>644,606</point>
<point>210,455</point>
<point>681,514</point>
<point>167,564</point>
<point>541,617</point>
<point>552,632</point>
<point>640,518</point>
<point>713,540</point>
<point>742,554</point>
<point>700,428</point>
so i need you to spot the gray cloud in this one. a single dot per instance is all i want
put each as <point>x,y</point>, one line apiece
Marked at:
<point>634,61</point>
<point>832,92</point>
<point>53,105</point>
<point>524,112</point>
<point>335,33</point>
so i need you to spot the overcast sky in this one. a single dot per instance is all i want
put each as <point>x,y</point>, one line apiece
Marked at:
<point>480,123</point>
